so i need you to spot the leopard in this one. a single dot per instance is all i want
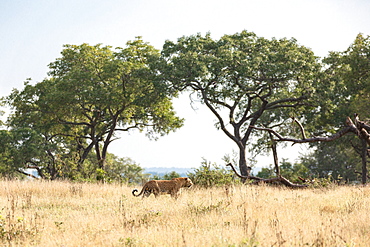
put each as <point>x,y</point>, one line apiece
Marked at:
<point>160,187</point>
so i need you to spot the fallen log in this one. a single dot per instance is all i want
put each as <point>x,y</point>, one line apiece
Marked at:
<point>279,179</point>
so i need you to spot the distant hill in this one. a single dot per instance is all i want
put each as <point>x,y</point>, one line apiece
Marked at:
<point>160,171</point>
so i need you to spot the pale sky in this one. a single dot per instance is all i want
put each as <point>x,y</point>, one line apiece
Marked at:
<point>32,34</point>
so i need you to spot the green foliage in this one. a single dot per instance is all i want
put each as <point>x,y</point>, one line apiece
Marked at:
<point>19,149</point>
<point>156,177</point>
<point>23,148</point>
<point>91,92</point>
<point>167,176</point>
<point>171,175</point>
<point>293,171</point>
<point>208,175</point>
<point>245,80</point>
<point>344,87</point>
<point>335,159</point>
<point>1,112</point>
<point>63,125</point>
<point>126,170</point>
<point>266,172</point>
<point>101,175</point>
<point>5,153</point>
<point>344,90</point>
<point>122,170</point>
<point>288,170</point>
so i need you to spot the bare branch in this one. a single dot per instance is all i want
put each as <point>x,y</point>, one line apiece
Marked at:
<point>136,126</point>
<point>301,127</point>
<point>246,177</point>
<point>362,128</point>
<point>218,116</point>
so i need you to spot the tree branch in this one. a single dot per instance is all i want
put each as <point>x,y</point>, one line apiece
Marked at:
<point>218,116</point>
<point>301,127</point>
<point>362,129</point>
<point>359,128</point>
<point>333,137</point>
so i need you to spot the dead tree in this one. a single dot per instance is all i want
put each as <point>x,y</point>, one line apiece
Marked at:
<point>359,128</point>
<point>278,179</point>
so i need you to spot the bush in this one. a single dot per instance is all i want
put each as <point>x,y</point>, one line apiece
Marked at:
<point>208,175</point>
<point>123,170</point>
<point>171,175</point>
<point>167,176</point>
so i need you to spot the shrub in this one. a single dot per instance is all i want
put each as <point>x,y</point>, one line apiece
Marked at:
<point>208,175</point>
<point>171,175</point>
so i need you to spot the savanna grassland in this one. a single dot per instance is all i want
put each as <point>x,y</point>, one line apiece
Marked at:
<point>35,213</point>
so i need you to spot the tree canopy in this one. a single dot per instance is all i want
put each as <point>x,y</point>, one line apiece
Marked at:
<point>63,125</point>
<point>345,90</point>
<point>92,92</point>
<point>245,80</point>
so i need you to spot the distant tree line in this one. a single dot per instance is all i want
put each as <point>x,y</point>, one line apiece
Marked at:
<point>62,126</point>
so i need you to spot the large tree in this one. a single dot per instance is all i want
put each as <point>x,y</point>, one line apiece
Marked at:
<point>94,91</point>
<point>345,89</point>
<point>243,79</point>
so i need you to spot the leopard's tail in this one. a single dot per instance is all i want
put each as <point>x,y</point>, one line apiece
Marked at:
<point>135,190</point>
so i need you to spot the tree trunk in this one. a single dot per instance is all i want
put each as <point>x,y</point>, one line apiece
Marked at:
<point>103,155</point>
<point>274,152</point>
<point>84,155</point>
<point>243,162</point>
<point>98,156</point>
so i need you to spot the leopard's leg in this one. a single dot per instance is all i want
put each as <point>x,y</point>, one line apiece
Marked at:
<point>156,192</point>
<point>147,193</point>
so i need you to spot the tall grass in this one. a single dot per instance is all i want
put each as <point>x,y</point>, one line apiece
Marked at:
<point>35,213</point>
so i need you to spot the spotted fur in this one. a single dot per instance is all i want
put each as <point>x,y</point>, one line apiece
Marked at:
<point>158,187</point>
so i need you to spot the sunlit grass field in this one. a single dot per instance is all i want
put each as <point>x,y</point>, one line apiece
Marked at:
<point>40,213</point>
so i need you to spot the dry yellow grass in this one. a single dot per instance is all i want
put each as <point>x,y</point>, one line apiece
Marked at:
<point>35,213</point>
